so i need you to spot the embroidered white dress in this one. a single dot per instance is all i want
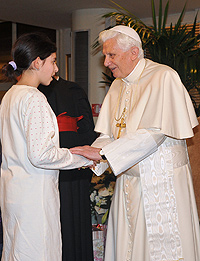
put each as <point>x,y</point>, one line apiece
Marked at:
<point>153,216</point>
<point>31,158</point>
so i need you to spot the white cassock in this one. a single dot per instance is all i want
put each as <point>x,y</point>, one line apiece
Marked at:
<point>31,157</point>
<point>153,215</point>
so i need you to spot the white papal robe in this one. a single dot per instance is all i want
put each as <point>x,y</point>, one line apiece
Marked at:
<point>31,157</point>
<point>153,215</point>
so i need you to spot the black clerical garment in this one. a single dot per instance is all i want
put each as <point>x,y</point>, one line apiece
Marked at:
<point>68,100</point>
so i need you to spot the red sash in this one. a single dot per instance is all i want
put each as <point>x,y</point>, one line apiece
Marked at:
<point>67,123</point>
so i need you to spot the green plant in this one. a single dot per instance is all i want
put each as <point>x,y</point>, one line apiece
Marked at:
<point>108,78</point>
<point>173,45</point>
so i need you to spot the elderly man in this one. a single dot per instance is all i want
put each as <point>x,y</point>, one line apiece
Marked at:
<point>144,121</point>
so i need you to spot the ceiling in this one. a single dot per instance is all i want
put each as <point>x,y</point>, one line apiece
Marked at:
<point>56,14</point>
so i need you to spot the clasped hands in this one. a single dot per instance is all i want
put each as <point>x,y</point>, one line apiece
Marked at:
<point>88,152</point>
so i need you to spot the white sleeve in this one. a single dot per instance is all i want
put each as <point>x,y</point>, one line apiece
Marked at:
<point>127,151</point>
<point>40,131</point>
<point>102,141</point>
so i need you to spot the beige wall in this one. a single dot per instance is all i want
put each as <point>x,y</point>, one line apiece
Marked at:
<point>91,20</point>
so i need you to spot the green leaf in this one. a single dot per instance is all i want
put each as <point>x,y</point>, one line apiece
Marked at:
<point>104,218</point>
<point>154,15</point>
<point>160,17</point>
<point>165,15</point>
<point>178,24</point>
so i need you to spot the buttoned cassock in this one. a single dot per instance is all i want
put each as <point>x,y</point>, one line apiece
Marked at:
<point>153,215</point>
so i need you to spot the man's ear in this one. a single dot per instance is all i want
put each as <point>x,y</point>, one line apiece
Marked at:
<point>37,64</point>
<point>134,52</point>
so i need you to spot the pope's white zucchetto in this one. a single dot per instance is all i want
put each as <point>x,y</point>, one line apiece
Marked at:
<point>127,31</point>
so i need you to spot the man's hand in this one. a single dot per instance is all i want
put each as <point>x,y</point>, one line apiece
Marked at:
<point>87,151</point>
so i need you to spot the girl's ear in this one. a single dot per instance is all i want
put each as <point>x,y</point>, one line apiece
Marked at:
<point>37,64</point>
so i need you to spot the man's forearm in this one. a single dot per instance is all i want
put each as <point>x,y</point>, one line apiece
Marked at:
<point>127,151</point>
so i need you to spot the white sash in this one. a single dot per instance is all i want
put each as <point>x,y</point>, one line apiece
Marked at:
<point>156,172</point>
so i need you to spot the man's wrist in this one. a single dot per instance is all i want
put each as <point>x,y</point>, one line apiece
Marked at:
<point>101,153</point>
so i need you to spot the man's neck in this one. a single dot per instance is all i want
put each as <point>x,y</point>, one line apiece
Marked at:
<point>135,66</point>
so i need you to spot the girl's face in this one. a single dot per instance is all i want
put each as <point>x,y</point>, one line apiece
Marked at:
<point>48,69</point>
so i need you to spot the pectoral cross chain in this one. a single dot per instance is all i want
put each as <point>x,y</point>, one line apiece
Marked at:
<point>121,125</point>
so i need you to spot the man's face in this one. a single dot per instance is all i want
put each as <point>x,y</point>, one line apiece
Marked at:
<point>119,62</point>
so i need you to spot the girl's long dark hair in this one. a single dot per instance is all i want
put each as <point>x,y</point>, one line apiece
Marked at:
<point>25,50</point>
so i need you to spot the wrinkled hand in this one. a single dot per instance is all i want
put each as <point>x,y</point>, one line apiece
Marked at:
<point>87,151</point>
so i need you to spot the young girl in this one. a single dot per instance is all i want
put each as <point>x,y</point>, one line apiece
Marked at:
<point>31,156</point>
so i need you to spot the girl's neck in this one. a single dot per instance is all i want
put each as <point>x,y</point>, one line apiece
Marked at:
<point>28,78</point>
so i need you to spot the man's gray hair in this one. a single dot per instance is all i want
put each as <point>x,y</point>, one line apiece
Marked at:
<point>124,42</point>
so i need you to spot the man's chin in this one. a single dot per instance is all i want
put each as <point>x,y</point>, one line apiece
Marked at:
<point>116,75</point>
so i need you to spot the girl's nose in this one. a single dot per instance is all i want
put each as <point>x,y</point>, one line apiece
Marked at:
<point>56,68</point>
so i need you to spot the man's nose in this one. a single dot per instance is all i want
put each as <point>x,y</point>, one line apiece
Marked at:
<point>106,61</point>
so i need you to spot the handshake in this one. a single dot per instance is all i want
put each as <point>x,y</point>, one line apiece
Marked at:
<point>88,152</point>
<point>94,155</point>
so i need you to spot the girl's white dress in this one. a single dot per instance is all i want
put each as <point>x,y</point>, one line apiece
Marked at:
<point>31,159</point>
